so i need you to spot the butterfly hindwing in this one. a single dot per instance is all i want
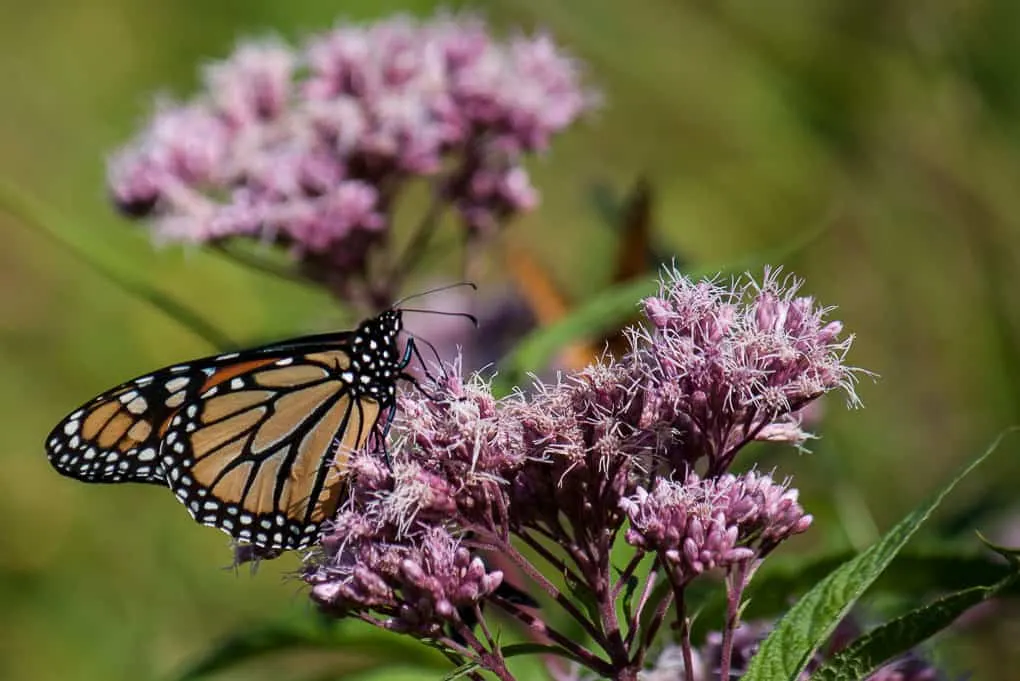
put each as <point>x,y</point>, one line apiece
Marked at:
<point>261,454</point>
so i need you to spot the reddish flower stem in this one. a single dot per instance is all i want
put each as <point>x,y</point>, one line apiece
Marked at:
<point>626,574</point>
<point>653,627</point>
<point>525,565</point>
<point>635,623</point>
<point>604,594</point>
<point>573,650</point>
<point>736,582</point>
<point>685,636</point>
<point>548,556</point>
<point>563,540</point>
<point>489,658</point>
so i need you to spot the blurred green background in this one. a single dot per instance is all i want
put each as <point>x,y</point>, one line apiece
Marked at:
<point>895,126</point>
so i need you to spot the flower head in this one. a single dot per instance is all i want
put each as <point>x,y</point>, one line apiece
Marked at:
<point>699,525</point>
<point>730,364</point>
<point>309,147</point>
<point>419,582</point>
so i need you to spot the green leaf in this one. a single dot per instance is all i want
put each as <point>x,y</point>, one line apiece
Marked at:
<point>462,671</point>
<point>893,638</point>
<point>368,646</point>
<point>611,307</point>
<point>34,215</point>
<point>584,596</point>
<point>514,650</point>
<point>914,574</point>
<point>808,624</point>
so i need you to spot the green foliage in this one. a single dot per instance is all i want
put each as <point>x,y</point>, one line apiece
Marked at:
<point>509,652</point>
<point>365,648</point>
<point>867,653</point>
<point>914,574</point>
<point>810,622</point>
<point>34,215</point>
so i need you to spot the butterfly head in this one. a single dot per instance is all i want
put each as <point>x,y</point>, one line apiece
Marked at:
<point>384,329</point>
<point>375,353</point>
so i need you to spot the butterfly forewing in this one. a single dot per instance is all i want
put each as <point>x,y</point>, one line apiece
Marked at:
<point>116,436</point>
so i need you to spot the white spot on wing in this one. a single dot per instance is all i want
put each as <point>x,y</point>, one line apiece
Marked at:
<point>137,406</point>
<point>177,384</point>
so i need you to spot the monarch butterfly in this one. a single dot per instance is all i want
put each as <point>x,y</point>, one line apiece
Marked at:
<point>251,442</point>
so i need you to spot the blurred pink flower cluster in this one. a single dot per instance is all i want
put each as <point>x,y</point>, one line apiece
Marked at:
<point>310,147</point>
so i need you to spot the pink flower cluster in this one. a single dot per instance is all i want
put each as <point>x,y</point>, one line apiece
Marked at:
<point>423,585</point>
<point>736,363</point>
<point>699,525</point>
<point>565,469</point>
<point>309,148</point>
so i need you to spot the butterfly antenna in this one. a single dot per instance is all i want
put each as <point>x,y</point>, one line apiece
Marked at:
<point>465,315</point>
<point>429,292</point>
